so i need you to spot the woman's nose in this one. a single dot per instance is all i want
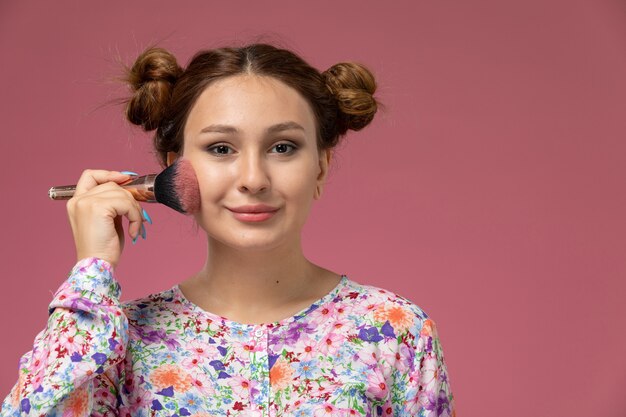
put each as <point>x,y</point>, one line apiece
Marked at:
<point>253,175</point>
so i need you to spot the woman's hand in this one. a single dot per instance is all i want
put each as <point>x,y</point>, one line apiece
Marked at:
<point>95,213</point>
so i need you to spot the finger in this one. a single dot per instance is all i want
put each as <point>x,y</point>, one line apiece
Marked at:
<point>90,178</point>
<point>100,188</point>
<point>125,206</point>
<point>135,213</point>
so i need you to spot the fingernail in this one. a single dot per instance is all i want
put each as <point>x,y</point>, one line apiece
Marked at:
<point>143,232</point>
<point>129,173</point>
<point>146,216</point>
<point>135,239</point>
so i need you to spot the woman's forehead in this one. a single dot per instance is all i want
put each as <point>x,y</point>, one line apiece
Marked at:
<point>250,100</point>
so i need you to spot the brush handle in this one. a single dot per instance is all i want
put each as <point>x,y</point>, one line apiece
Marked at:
<point>142,189</point>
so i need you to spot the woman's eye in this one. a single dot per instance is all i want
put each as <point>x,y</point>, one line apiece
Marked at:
<point>220,149</point>
<point>284,148</point>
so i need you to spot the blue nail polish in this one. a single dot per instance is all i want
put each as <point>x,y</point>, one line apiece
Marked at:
<point>128,173</point>
<point>135,239</point>
<point>143,232</point>
<point>146,216</point>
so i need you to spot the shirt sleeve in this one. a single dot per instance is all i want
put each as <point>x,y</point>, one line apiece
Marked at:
<point>72,368</point>
<point>423,387</point>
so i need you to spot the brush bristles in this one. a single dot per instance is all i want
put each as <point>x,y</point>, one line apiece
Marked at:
<point>177,187</point>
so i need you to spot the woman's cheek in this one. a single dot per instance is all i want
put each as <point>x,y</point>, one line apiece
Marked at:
<point>212,184</point>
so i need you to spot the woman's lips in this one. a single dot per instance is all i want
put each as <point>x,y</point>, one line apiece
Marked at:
<point>253,213</point>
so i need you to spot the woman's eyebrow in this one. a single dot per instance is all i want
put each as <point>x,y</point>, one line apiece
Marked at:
<point>219,129</point>
<point>232,129</point>
<point>284,126</point>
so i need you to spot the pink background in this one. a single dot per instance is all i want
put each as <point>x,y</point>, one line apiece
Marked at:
<point>490,191</point>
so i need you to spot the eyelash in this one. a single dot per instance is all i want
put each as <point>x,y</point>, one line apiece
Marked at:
<point>293,148</point>
<point>213,147</point>
<point>221,145</point>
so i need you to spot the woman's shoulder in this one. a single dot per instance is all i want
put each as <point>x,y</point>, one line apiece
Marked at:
<point>372,296</point>
<point>384,307</point>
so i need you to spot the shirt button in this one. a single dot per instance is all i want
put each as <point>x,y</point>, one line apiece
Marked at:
<point>258,333</point>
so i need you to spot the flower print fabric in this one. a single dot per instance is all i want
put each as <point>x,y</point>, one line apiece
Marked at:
<point>357,351</point>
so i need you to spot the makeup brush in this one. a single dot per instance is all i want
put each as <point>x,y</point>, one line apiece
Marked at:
<point>176,187</point>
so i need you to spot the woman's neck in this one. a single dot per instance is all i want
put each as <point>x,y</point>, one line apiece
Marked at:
<point>254,286</point>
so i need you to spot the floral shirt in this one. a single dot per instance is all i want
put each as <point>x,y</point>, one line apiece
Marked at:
<point>357,351</point>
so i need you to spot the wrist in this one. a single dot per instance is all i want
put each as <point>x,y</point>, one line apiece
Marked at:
<point>82,255</point>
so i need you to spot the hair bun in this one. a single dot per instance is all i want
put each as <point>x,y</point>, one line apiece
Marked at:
<point>151,80</point>
<point>353,85</point>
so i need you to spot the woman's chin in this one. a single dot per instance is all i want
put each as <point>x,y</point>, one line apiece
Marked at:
<point>250,243</point>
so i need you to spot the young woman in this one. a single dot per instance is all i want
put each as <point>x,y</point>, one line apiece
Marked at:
<point>260,330</point>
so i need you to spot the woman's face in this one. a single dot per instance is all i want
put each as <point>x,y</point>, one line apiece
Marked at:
<point>252,142</point>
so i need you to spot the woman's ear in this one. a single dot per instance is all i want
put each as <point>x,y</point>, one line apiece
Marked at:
<point>171,157</point>
<point>324,164</point>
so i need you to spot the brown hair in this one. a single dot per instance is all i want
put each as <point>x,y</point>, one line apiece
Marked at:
<point>164,93</point>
